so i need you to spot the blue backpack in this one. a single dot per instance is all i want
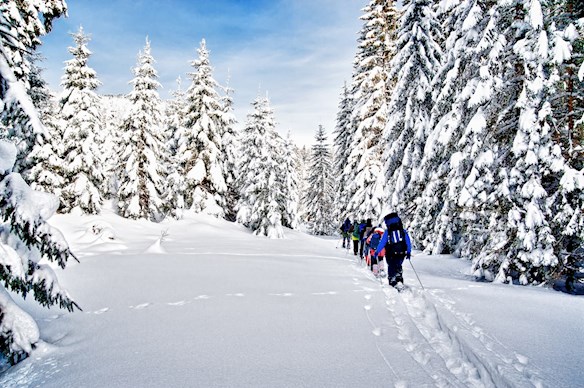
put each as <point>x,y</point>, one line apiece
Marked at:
<point>374,242</point>
<point>396,241</point>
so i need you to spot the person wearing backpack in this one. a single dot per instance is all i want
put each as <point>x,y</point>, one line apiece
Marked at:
<point>355,236</point>
<point>364,231</point>
<point>398,247</point>
<point>372,243</point>
<point>345,232</point>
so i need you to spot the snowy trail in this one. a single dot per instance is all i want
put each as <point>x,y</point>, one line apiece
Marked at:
<point>450,347</point>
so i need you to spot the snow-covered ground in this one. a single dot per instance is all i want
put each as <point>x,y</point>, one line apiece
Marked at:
<point>213,306</point>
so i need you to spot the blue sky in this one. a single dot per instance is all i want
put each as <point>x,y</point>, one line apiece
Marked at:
<point>298,51</point>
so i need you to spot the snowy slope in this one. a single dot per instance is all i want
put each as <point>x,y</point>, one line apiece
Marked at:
<point>213,306</point>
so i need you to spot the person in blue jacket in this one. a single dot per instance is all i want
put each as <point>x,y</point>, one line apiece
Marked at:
<point>398,247</point>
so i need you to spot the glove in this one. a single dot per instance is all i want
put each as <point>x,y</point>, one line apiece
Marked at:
<point>409,256</point>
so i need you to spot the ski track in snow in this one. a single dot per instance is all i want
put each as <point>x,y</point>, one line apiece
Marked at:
<point>446,343</point>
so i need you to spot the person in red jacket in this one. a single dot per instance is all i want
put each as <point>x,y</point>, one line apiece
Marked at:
<point>372,243</point>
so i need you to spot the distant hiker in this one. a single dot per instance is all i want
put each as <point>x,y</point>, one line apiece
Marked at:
<point>364,233</point>
<point>345,231</point>
<point>356,236</point>
<point>372,242</point>
<point>398,247</point>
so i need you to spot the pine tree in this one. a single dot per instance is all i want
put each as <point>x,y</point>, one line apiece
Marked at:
<point>370,102</point>
<point>289,182</point>
<point>231,151</point>
<point>114,109</point>
<point>302,170</point>
<point>44,167</point>
<point>342,149</point>
<point>463,84</point>
<point>320,195</point>
<point>84,178</point>
<point>412,69</point>
<point>141,170</point>
<point>567,45</point>
<point>176,190</point>
<point>258,206</point>
<point>174,117</point>
<point>25,236</point>
<point>513,167</point>
<point>200,149</point>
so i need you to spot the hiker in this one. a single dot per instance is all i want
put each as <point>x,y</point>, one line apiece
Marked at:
<point>345,231</point>
<point>372,242</point>
<point>398,247</point>
<point>364,233</point>
<point>355,236</point>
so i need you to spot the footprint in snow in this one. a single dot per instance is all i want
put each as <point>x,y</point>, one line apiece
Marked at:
<point>284,294</point>
<point>179,303</point>
<point>101,311</point>
<point>367,307</point>
<point>325,293</point>
<point>140,306</point>
<point>376,332</point>
<point>201,297</point>
<point>52,318</point>
<point>522,359</point>
<point>239,295</point>
<point>368,296</point>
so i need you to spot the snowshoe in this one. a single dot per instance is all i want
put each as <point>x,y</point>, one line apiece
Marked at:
<point>399,287</point>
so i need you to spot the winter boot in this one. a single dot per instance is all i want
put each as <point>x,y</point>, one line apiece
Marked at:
<point>399,277</point>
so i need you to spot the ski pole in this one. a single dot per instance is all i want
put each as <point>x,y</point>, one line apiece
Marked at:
<point>410,260</point>
<point>338,242</point>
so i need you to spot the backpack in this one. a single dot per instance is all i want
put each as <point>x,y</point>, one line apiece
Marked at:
<point>356,232</point>
<point>396,235</point>
<point>374,242</point>
<point>346,225</point>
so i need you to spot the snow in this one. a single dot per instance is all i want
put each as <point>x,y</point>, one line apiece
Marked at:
<point>203,302</point>
<point>18,323</point>
<point>7,156</point>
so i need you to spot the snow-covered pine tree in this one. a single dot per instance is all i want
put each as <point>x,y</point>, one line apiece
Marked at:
<point>114,109</point>
<point>566,34</point>
<point>411,71</point>
<point>302,169</point>
<point>369,103</point>
<point>81,123</point>
<point>200,151</point>
<point>258,206</point>
<point>320,195</point>
<point>231,151</point>
<point>25,236</point>
<point>528,242</point>
<point>141,170</point>
<point>463,84</point>
<point>343,133</point>
<point>15,124</point>
<point>566,98</point>
<point>174,199</point>
<point>519,170</point>
<point>289,178</point>
<point>43,166</point>
<point>174,117</point>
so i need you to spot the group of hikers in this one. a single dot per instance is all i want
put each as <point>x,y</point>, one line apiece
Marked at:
<point>372,244</point>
